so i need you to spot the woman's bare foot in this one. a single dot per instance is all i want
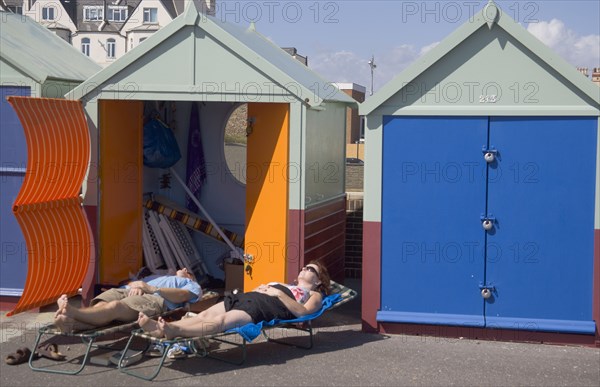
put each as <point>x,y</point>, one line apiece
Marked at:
<point>167,329</point>
<point>150,326</point>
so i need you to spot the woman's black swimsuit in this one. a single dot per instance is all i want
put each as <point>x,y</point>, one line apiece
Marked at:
<point>260,306</point>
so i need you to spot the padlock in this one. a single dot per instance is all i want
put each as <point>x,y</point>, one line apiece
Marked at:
<point>489,157</point>
<point>486,293</point>
<point>487,224</point>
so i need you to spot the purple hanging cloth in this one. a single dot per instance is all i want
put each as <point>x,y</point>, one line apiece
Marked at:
<point>196,166</point>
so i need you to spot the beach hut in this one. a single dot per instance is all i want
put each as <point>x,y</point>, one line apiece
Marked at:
<point>290,204</point>
<point>33,62</point>
<point>481,203</point>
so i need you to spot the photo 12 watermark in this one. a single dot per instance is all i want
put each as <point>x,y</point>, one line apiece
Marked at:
<point>327,12</point>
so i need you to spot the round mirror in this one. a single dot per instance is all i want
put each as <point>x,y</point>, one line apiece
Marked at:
<point>235,142</point>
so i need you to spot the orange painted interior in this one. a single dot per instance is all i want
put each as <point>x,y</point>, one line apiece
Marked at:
<point>120,174</point>
<point>48,208</point>
<point>267,193</point>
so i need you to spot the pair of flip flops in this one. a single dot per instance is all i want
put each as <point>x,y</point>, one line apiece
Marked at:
<point>22,355</point>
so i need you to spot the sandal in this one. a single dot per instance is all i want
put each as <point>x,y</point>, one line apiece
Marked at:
<point>177,352</point>
<point>156,350</point>
<point>20,356</point>
<point>50,351</point>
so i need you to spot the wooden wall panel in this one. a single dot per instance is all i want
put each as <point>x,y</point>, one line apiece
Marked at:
<point>324,236</point>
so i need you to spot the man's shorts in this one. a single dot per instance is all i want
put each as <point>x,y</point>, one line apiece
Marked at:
<point>149,304</point>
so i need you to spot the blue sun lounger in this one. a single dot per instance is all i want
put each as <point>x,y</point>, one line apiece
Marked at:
<point>239,337</point>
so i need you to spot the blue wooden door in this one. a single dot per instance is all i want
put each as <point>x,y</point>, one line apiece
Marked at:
<point>13,162</point>
<point>432,241</point>
<point>541,190</point>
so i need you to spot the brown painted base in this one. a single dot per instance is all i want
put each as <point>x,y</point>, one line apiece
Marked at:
<point>8,303</point>
<point>451,333</point>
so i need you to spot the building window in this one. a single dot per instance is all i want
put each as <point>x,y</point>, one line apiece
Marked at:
<point>362,128</point>
<point>111,48</point>
<point>48,13</point>
<point>85,46</point>
<point>117,13</point>
<point>142,39</point>
<point>150,15</point>
<point>16,9</point>
<point>93,13</point>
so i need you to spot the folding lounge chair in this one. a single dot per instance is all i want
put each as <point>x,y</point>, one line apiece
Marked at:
<point>199,346</point>
<point>90,336</point>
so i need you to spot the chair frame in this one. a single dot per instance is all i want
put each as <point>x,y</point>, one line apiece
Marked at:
<point>305,326</point>
<point>89,337</point>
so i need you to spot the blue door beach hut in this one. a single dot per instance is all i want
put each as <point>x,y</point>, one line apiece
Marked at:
<point>481,203</point>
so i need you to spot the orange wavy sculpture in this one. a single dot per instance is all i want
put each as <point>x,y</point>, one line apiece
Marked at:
<point>48,207</point>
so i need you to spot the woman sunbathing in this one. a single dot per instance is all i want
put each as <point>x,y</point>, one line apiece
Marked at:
<point>265,303</point>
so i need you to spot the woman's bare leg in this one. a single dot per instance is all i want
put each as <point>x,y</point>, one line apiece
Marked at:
<point>198,327</point>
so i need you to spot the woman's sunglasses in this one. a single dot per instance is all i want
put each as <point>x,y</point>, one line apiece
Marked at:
<point>311,269</point>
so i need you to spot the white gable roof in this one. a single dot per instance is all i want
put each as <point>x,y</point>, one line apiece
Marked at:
<point>247,45</point>
<point>491,18</point>
<point>40,54</point>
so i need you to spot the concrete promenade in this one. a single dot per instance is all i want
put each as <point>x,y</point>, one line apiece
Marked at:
<point>342,356</point>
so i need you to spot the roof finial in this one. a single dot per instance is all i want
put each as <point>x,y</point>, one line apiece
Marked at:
<point>491,13</point>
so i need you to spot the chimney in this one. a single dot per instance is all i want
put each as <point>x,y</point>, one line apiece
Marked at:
<point>596,76</point>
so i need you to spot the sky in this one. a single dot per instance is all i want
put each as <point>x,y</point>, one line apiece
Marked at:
<point>340,37</point>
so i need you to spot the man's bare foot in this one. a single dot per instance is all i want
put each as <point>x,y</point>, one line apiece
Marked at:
<point>67,324</point>
<point>150,326</point>
<point>64,324</point>
<point>62,303</point>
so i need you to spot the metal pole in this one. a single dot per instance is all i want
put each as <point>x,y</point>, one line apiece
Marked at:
<point>373,67</point>
<point>208,217</point>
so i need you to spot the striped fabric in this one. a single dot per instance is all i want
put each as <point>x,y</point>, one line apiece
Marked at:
<point>48,206</point>
<point>192,221</point>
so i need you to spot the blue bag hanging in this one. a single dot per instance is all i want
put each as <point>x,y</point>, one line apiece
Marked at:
<point>160,146</point>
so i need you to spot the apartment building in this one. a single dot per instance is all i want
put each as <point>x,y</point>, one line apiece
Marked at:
<point>104,30</point>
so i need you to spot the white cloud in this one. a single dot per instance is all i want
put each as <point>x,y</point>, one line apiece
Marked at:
<point>341,66</point>
<point>348,66</point>
<point>578,50</point>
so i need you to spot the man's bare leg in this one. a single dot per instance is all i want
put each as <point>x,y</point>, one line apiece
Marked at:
<point>98,315</point>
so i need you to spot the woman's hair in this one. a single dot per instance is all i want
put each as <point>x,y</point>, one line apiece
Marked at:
<point>325,285</point>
